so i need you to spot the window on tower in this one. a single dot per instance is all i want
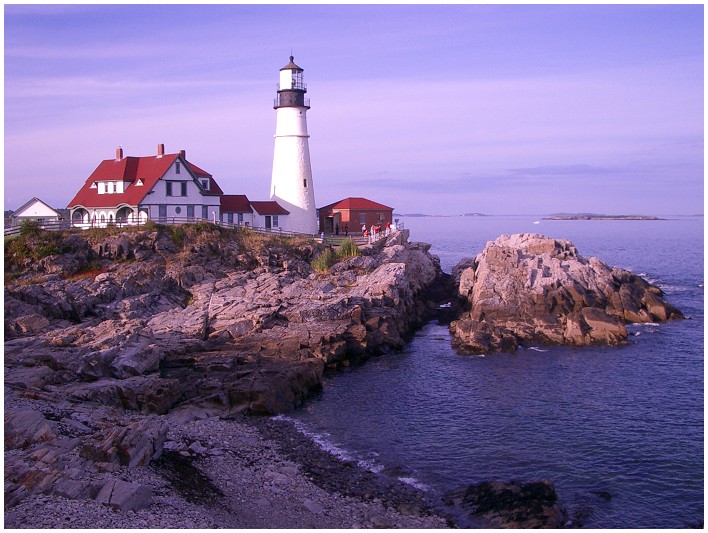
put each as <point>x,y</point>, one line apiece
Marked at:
<point>304,183</point>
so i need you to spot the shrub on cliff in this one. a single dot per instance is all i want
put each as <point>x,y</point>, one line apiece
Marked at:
<point>347,249</point>
<point>324,260</point>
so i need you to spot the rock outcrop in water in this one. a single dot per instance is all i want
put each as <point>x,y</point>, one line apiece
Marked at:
<point>120,328</point>
<point>526,288</point>
<point>499,504</point>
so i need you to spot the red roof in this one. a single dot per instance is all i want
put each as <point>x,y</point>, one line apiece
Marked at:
<point>130,169</point>
<point>235,203</point>
<point>361,204</point>
<point>269,208</point>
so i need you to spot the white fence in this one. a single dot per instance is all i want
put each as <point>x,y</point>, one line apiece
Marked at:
<point>169,221</point>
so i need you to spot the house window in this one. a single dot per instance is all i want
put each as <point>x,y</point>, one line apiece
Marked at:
<point>139,183</point>
<point>205,212</point>
<point>171,188</point>
<point>178,210</point>
<point>240,218</point>
<point>110,187</point>
<point>379,216</point>
<point>230,218</point>
<point>205,184</point>
<point>362,218</point>
<point>190,211</point>
<point>275,221</point>
<point>177,167</point>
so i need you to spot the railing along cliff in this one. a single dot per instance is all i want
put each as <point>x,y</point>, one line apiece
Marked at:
<point>335,240</point>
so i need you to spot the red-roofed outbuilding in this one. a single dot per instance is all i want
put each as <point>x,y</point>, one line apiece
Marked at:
<point>354,212</point>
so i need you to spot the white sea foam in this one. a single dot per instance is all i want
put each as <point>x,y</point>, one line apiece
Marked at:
<point>318,438</point>
<point>323,442</point>
<point>537,349</point>
<point>414,483</point>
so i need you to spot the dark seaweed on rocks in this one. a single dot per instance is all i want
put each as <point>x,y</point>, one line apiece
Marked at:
<point>187,479</point>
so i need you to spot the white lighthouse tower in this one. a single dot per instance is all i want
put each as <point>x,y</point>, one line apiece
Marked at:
<point>291,183</point>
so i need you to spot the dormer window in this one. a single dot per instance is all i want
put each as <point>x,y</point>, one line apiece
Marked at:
<point>177,167</point>
<point>94,185</point>
<point>110,189</point>
<point>205,184</point>
<point>139,183</point>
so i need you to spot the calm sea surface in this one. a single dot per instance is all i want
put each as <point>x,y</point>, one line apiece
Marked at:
<point>624,421</point>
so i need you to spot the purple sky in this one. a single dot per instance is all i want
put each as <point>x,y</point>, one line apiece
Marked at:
<point>434,109</point>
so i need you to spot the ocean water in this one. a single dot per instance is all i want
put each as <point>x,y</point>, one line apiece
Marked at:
<point>619,431</point>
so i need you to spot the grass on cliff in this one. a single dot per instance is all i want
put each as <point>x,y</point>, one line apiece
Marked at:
<point>33,244</point>
<point>328,257</point>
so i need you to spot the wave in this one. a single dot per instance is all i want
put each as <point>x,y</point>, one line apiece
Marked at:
<point>323,442</point>
<point>413,482</point>
<point>318,438</point>
<point>537,349</point>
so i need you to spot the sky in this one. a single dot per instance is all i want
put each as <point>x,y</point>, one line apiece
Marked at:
<point>495,109</point>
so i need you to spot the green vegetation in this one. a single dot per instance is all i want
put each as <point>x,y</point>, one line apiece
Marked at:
<point>30,228</point>
<point>33,243</point>
<point>328,257</point>
<point>348,249</point>
<point>324,260</point>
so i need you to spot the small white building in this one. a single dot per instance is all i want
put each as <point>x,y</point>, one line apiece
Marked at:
<point>132,190</point>
<point>35,210</point>
<point>236,209</point>
<point>270,215</point>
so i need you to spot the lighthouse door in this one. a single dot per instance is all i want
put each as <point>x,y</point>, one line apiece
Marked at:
<point>268,224</point>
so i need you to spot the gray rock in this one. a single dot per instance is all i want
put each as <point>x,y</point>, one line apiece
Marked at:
<point>24,427</point>
<point>124,496</point>
<point>528,288</point>
<point>313,507</point>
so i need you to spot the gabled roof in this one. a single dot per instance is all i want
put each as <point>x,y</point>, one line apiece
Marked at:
<point>269,208</point>
<point>130,169</point>
<point>356,203</point>
<point>19,210</point>
<point>235,203</point>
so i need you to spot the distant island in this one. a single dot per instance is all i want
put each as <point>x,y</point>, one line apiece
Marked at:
<point>590,216</point>
<point>420,215</point>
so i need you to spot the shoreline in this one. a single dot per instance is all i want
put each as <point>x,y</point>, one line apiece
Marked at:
<point>242,473</point>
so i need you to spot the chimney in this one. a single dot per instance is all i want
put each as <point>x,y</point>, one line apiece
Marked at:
<point>183,153</point>
<point>119,153</point>
<point>160,150</point>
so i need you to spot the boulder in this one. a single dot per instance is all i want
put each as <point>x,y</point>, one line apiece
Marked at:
<point>132,444</point>
<point>123,496</point>
<point>527,288</point>
<point>25,427</point>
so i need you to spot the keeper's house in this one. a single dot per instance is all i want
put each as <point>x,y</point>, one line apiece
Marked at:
<point>132,190</point>
<point>165,188</point>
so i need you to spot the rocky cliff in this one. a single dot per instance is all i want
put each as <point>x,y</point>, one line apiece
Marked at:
<point>525,288</point>
<point>107,330</point>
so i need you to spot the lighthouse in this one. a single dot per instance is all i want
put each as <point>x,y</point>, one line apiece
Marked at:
<point>291,182</point>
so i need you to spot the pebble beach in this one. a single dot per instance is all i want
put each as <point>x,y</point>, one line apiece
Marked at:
<point>243,473</point>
